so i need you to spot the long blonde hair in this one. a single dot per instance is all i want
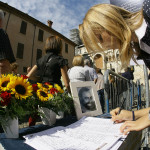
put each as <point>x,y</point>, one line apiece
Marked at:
<point>116,21</point>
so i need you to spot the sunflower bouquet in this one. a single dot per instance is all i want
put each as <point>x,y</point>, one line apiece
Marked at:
<point>50,96</point>
<point>14,91</point>
<point>18,97</point>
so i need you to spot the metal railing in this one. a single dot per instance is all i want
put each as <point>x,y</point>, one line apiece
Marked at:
<point>119,91</point>
<point>122,91</point>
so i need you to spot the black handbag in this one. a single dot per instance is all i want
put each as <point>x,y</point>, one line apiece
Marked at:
<point>42,72</point>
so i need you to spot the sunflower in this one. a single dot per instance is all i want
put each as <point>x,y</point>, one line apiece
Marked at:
<point>4,80</point>
<point>58,88</point>
<point>20,87</point>
<point>43,94</point>
<point>45,85</point>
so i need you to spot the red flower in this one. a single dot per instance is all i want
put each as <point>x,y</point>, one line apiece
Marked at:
<point>47,83</point>
<point>6,98</point>
<point>24,76</point>
<point>35,87</point>
<point>53,91</point>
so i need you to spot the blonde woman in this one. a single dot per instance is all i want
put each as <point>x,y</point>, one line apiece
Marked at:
<point>106,26</point>
<point>77,72</point>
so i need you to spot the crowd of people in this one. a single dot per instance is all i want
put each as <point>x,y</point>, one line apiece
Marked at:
<point>104,27</point>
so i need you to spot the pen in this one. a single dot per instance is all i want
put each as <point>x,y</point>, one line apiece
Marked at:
<point>117,114</point>
<point>120,108</point>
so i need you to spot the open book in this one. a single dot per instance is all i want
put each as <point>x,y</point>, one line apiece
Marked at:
<point>88,133</point>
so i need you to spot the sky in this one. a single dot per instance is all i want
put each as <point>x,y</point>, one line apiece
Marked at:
<point>65,14</point>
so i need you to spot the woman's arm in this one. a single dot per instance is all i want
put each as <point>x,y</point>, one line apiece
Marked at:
<point>65,78</point>
<point>32,71</point>
<point>142,112</point>
<point>127,115</point>
<point>140,124</point>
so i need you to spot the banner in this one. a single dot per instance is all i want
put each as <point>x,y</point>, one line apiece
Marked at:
<point>130,5</point>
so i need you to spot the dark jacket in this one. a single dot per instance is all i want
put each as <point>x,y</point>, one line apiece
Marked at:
<point>6,51</point>
<point>128,75</point>
<point>49,67</point>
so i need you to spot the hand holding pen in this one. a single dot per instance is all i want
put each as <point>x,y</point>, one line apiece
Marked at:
<point>120,115</point>
<point>119,110</point>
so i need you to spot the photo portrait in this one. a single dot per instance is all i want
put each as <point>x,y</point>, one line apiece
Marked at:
<point>86,99</point>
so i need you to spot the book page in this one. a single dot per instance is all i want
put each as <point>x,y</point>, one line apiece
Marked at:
<point>45,132</point>
<point>1,147</point>
<point>103,126</point>
<point>55,139</point>
<point>95,130</point>
<point>89,133</point>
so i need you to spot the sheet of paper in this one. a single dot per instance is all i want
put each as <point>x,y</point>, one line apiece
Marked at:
<point>100,125</point>
<point>55,139</point>
<point>96,130</point>
<point>47,132</point>
<point>89,133</point>
<point>1,147</point>
<point>118,144</point>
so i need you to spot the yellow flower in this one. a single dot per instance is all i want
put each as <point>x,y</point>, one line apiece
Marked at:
<point>61,91</point>
<point>45,85</point>
<point>4,80</point>
<point>59,88</point>
<point>43,94</point>
<point>39,85</point>
<point>20,87</point>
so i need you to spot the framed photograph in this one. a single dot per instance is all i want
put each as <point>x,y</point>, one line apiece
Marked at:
<point>85,99</point>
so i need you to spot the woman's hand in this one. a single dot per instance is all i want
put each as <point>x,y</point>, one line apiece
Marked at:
<point>137,125</point>
<point>122,116</point>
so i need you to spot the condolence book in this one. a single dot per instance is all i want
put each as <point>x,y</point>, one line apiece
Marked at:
<point>88,133</point>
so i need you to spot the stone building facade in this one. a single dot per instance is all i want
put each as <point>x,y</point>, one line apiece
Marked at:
<point>110,60</point>
<point>28,35</point>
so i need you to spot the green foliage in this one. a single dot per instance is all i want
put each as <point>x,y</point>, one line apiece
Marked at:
<point>13,110</point>
<point>59,102</point>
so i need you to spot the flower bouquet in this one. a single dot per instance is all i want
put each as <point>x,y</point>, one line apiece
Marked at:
<point>51,97</point>
<point>19,98</point>
<point>47,99</point>
<point>14,91</point>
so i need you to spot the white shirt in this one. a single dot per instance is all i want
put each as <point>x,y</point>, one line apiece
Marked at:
<point>92,72</point>
<point>140,32</point>
<point>100,82</point>
<point>77,73</point>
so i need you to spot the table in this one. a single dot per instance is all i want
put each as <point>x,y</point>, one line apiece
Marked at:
<point>18,144</point>
<point>132,142</point>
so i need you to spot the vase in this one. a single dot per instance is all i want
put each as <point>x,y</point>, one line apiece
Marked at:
<point>11,128</point>
<point>48,117</point>
<point>60,115</point>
